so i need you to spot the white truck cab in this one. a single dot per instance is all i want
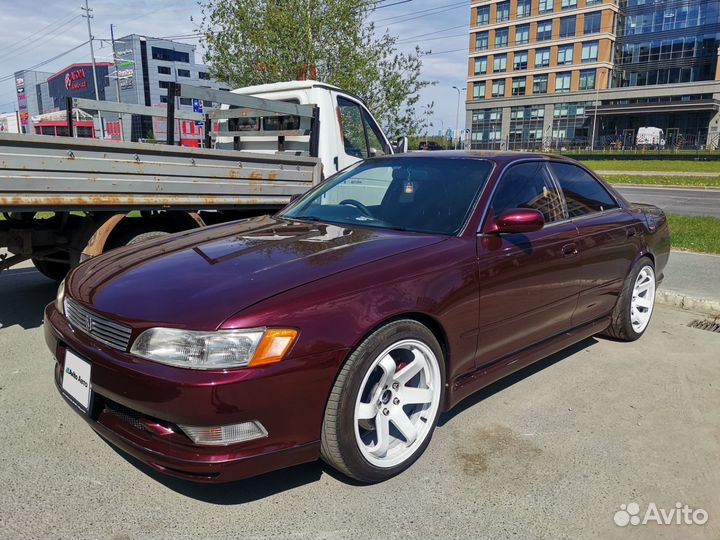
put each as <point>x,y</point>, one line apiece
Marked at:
<point>348,132</point>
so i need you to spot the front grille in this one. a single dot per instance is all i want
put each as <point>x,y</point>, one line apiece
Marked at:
<point>109,332</point>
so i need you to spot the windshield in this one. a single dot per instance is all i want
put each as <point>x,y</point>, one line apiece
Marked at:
<point>431,195</point>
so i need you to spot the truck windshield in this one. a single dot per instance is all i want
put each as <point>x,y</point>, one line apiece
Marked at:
<point>428,195</point>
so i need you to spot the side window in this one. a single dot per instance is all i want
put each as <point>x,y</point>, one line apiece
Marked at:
<point>377,146</point>
<point>583,193</point>
<point>527,185</point>
<point>353,131</point>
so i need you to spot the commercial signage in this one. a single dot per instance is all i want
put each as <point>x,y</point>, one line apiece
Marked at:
<point>75,80</point>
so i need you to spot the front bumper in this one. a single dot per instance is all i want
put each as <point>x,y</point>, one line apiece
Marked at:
<point>137,405</point>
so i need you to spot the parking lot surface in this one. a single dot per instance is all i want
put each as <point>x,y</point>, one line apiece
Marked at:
<point>553,451</point>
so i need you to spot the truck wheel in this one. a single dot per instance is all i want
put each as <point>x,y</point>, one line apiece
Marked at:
<point>385,403</point>
<point>634,307</point>
<point>52,269</point>
<point>151,235</point>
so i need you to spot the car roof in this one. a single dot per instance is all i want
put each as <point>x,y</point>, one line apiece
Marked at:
<point>499,156</point>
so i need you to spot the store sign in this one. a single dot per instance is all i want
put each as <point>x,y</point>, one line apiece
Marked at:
<point>75,80</point>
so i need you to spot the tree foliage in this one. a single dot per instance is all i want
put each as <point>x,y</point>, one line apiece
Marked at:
<point>263,41</point>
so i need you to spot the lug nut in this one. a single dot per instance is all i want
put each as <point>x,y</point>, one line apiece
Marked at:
<point>396,385</point>
<point>396,401</point>
<point>386,412</point>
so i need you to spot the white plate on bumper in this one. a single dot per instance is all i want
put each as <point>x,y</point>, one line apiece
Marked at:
<point>76,380</point>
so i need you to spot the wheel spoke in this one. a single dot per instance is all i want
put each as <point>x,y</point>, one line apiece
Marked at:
<point>412,369</point>
<point>411,396</point>
<point>404,425</point>
<point>382,432</point>
<point>366,411</point>
<point>387,364</point>
<point>643,302</point>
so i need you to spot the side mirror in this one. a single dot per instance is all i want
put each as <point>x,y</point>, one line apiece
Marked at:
<point>401,146</point>
<point>516,220</point>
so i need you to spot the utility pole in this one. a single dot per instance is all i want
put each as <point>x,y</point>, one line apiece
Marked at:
<point>117,78</point>
<point>456,135</point>
<point>88,15</point>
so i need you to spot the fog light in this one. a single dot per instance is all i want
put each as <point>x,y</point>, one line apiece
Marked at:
<point>224,435</point>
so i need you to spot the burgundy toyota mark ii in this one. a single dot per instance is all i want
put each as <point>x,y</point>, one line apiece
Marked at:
<point>343,326</point>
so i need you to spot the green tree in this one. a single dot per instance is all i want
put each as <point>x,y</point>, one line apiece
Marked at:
<point>263,41</point>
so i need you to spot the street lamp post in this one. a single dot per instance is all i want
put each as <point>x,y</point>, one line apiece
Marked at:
<point>597,97</point>
<point>456,135</point>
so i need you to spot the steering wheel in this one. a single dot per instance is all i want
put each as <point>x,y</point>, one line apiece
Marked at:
<point>357,204</point>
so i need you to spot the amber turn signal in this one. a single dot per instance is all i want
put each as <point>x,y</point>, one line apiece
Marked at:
<point>274,346</point>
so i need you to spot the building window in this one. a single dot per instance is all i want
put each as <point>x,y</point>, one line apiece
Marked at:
<point>523,8</point>
<point>503,11</point>
<point>518,86</point>
<point>164,84</point>
<point>501,37</point>
<point>499,63</point>
<point>544,30</point>
<point>481,41</point>
<point>565,54</point>
<point>163,70</point>
<point>480,65</point>
<point>483,15</point>
<point>186,101</point>
<point>546,6</point>
<point>520,60</point>
<point>587,79</point>
<point>567,26</point>
<point>522,34</point>
<point>592,2</point>
<point>498,88</point>
<point>540,84</point>
<point>542,57</point>
<point>203,75</point>
<point>568,4</point>
<point>562,81</point>
<point>163,99</point>
<point>183,72</point>
<point>592,22</point>
<point>170,55</point>
<point>589,51</point>
<point>479,90</point>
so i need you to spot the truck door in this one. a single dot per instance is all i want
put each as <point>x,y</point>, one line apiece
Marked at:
<point>359,137</point>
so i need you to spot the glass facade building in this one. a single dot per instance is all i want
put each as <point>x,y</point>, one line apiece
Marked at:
<point>597,69</point>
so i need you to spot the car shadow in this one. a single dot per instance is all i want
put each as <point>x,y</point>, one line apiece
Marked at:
<point>514,378</point>
<point>25,293</point>
<point>242,491</point>
<point>269,484</point>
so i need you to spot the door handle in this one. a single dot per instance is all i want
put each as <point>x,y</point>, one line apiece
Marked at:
<point>569,250</point>
<point>631,231</point>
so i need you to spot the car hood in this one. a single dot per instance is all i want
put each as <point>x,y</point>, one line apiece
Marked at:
<point>198,279</point>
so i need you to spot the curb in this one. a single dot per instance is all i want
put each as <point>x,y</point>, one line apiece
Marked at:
<point>683,301</point>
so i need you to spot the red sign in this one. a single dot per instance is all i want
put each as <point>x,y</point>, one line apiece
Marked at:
<point>75,80</point>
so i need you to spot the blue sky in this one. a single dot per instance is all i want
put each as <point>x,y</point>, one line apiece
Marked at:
<point>436,25</point>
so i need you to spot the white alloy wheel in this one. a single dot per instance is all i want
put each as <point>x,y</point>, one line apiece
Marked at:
<point>643,299</point>
<point>397,403</point>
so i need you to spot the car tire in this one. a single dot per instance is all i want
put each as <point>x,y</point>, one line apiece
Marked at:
<point>54,270</point>
<point>385,403</point>
<point>151,235</point>
<point>636,303</point>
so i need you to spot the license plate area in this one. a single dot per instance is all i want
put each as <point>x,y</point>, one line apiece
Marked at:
<point>76,379</point>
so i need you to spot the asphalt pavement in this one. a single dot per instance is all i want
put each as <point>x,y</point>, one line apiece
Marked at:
<point>690,201</point>
<point>551,452</point>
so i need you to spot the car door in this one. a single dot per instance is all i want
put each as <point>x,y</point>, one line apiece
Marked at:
<point>609,239</point>
<point>360,136</point>
<point>528,283</point>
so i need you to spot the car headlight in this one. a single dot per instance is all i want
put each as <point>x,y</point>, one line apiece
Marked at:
<point>221,349</point>
<point>60,298</point>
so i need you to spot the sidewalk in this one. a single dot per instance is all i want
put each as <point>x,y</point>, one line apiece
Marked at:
<point>692,281</point>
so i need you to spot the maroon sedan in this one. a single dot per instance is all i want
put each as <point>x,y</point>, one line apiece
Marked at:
<point>343,326</point>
